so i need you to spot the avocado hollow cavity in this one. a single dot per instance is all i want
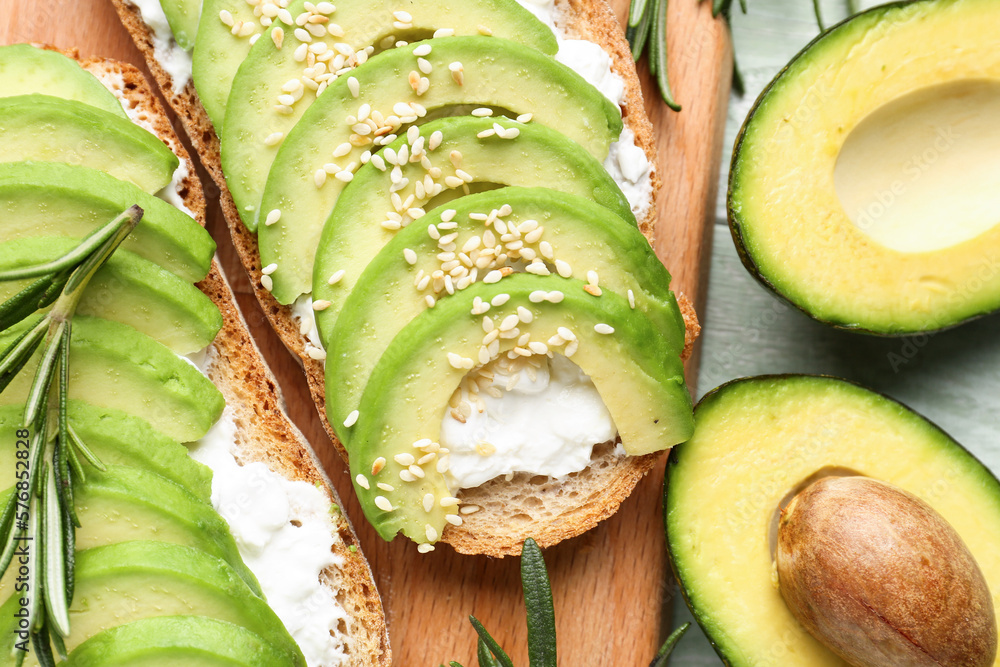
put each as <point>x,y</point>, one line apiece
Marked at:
<point>922,173</point>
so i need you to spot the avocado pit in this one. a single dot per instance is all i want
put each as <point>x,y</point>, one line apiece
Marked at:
<point>882,579</point>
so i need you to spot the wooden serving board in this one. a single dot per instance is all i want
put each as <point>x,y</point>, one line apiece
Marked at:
<point>611,586</point>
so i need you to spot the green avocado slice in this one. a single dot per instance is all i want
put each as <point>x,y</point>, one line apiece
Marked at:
<point>638,374</point>
<point>579,232</point>
<point>758,439</point>
<point>253,117</point>
<point>51,199</point>
<point>497,73</point>
<point>192,641</point>
<point>362,223</point>
<point>25,69</point>
<point>183,17</point>
<point>114,366</point>
<point>118,439</point>
<point>127,289</point>
<point>125,503</point>
<point>130,581</point>
<point>50,129</point>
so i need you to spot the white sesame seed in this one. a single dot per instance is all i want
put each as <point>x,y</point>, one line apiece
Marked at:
<point>563,268</point>
<point>631,300</point>
<point>285,16</point>
<point>404,459</point>
<point>538,348</point>
<point>524,118</point>
<point>383,503</point>
<point>378,465</point>
<point>410,256</point>
<point>325,8</point>
<point>555,296</point>
<point>320,305</point>
<point>604,329</point>
<point>459,362</point>
<point>386,487</point>
<point>402,17</point>
<point>449,501</point>
<point>273,138</point>
<point>303,36</point>
<point>352,419</point>
<point>428,502</point>
<point>336,277</point>
<point>416,471</point>
<point>431,533</point>
<point>537,268</point>
<point>362,482</point>
<point>538,296</point>
<point>524,314</point>
<point>492,277</point>
<point>592,277</point>
<point>509,322</point>
<point>566,333</point>
<point>424,65</point>
<point>486,134</point>
<point>278,37</point>
<point>425,548</point>
<point>272,217</point>
<point>422,50</point>
<point>571,348</point>
<point>269,269</point>
<point>406,476</point>
<point>500,299</point>
<point>344,176</point>
<point>482,112</point>
<point>453,519</point>
<point>319,177</point>
<point>267,283</point>
<point>430,301</point>
<point>469,509</point>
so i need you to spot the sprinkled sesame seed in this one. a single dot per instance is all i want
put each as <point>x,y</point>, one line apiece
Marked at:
<point>336,277</point>
<point>449,501</point>
<point>321,305</point>
<point>425,548</point>
<point>431,533</point>
<point>383,503</point>
<point>416,471</point>
<point>404,459</point>
<point>344,176</point>
<point>563,268</point>
<point>278,37</point>
<point>537,268</point>
<point>430,301</point>
<point>362,481</point>
<point>386,487</point>
<point>566,333</point>
<point>319,177</point>
<point>273,138</point>
<point>272,217</point>
<point>500,299</point>
<point>267,283</point>
<point>469,509</point>
<point>492,277</point>
<point>378,465</point>
<point>453,519</point>
<point>524,314</point>
<point>325,8</point>
<point>402,17</point>
<point>410,256</point>
<point>556,296</point>
<point>524,118</point>
<point>482,112</point>
<point>538,347</point>
<point>428,502</point>
<point>631,300</point>
<point>424,65</point>
<point>592,289</point>
<point>483,30</point>
<point>592,277</point>
<point>407,476</point>
<point>571,348</point>
<point>509,322</point>
<point>538,296</point>
<point>269,269</point>
<point>486,134</point>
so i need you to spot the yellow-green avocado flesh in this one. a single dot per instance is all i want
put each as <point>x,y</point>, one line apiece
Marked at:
<point>865,185</point>
<point>636,370</point>
<point>755,441</point>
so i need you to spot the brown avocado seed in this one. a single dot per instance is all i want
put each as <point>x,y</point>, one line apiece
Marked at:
<point>882,579</point>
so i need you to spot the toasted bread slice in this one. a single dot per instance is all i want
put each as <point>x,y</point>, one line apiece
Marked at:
<point>569,506</point>
<point>264,433</point>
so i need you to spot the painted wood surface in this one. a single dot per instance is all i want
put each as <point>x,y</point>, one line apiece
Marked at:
<point>610,584</point>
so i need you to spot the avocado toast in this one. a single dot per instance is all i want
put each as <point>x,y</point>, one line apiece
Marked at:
<point>393,141</point>
<point>151,480</point>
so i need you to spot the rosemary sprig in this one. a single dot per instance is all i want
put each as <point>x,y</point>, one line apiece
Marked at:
<point>39,518</point>
<point>542,619</point>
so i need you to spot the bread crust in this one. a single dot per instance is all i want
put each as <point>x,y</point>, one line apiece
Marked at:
<point>265,434</point>
<point>570,506</point>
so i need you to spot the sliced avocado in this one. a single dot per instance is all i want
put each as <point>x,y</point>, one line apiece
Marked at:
<point>124,503</point>
<point>167,641</point>
<point>497,73</point>
<point>579,232</point>
<point>636,370</point>
<point>50,129</point>
<point>757,440</point>
<point>130,581</point>
<point>118,439</point>
<point>864,187</point>
<point>114,366</point>
<point>260,80</point>
<point>183,17</point>
<point>128,289</point>
<point>25,70</point>
<point>51,199</point>
<point>362,222</point>
<point>219,48</point>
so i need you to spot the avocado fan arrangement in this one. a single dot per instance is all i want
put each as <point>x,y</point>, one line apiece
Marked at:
<point>112,550</point>
<point>426,182</point>
<point>860,531</point>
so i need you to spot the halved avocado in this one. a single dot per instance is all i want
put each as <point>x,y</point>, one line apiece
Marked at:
<point>118,439</point>
<point>127,289</point>
<point>354,233</point>
<point>114,366</point>
<point>253,116</point>
<point>25,70</point>
<point>864,185</point>
<point>757,440</point>
<point>579,232</point>
<point>51,129</point>
<point>130,581</point>
<point>636,370</point>
<point>52,199</point>
<point>497,73</point>
<point>192,641</point>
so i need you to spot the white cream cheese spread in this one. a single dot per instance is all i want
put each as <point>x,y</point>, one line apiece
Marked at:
<point>174,60</point>
<point>546,424</point>
<point>284,533</point>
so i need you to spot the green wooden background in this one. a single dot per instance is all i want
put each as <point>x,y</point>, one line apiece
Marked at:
<point>952,378</point>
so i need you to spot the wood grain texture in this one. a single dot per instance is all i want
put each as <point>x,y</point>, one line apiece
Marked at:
<point>610,585</point>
